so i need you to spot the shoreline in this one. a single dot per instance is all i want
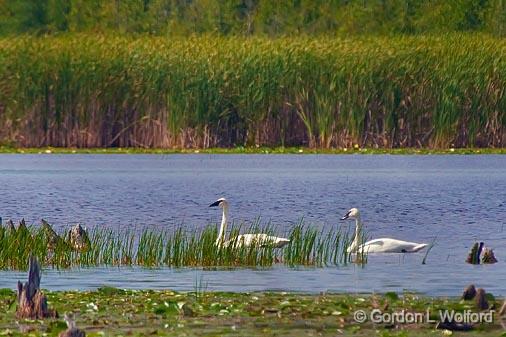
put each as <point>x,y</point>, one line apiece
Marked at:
<point>111,311</point>
<point>256,150</point>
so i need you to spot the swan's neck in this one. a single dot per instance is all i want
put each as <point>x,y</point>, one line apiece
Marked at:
<point>223,227</point>
<point>358,234</point>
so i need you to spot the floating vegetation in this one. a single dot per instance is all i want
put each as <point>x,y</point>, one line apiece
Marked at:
<point>172,248</point>
<point>114,312</point>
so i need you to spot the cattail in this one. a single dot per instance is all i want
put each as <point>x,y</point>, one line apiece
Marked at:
<point>102,91</point>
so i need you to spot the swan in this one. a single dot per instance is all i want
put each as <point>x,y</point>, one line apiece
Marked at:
<point>245,240</point>
<point>383,245</point>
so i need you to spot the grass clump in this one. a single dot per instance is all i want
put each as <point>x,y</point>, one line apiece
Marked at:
<point>172,248</point>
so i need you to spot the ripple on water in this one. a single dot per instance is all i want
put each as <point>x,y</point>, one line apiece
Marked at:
<point>459,199</point>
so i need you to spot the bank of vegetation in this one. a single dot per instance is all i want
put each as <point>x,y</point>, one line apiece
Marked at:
<point>111,312</point>
<point>209,91</point>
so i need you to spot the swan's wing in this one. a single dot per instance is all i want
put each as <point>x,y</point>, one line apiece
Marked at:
<point>246,240</point>
<point>273,241</point>
<point>375,242</point>
<point>387,245</point>
<point>373,246</point>
<point>259,240</point>
<point>236,242</point>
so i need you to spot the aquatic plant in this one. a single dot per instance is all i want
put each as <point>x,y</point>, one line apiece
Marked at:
<point>180,247</point>
<point>217,313</point>
<point>102,91</point>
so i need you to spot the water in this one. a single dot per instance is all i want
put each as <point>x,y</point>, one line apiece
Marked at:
<point>459,199</point>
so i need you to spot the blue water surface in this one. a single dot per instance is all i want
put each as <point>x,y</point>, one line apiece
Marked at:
<point>456,199</point>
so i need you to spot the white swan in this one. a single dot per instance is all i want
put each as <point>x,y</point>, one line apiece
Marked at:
<point>383,245</point>
<point>245,240</point>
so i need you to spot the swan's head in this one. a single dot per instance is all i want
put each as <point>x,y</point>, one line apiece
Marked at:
<point>351,214</point>
<point>221,202</point>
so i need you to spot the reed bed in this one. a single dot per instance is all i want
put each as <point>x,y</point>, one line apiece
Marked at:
<point>172,248</point>
<point>110,91</point>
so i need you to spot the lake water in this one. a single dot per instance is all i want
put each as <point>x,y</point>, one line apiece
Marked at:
<point>458,199</point>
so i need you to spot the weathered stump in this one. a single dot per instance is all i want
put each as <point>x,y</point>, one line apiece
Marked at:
<point>488,256</point>
<point>10,227</point>
<point>22,226</point>
<point>481,299</point>
<point>78,239</point>
<point>469,292</point>
<point>72,330</point>
<point>52,238</point>
<point>474,254</point>
<point>32,303</point>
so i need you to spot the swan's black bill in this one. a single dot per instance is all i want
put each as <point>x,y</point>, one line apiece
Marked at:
<point>216,203</point>
<point>346,216</point>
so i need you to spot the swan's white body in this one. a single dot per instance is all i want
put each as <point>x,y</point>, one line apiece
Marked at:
<point>244,240</point>
<point>257,240</point>
<point>383,245</point>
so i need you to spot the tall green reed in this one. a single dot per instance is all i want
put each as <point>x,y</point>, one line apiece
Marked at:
<point>174,248</point>
<point>94,91</point>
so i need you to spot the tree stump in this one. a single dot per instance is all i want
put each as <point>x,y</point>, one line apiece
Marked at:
<point>10,227</point>
<point>72,330</point>
<point>78,239</point>
<point>22,226</point>
<point>52,238</point>
<point>481,299</point>
<point>474,254</point>
<point>32,303</point>
<point>488,256</point>
<point>469,292</point>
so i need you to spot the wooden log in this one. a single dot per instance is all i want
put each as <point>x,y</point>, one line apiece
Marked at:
<point>72,330</point>
<point>32,303</point>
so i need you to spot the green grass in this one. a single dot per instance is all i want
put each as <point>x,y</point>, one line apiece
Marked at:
<point>116,312</point>
<point>181,247</point>
<point>203,92</point>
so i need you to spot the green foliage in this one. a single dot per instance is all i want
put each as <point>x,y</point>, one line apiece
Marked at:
<point>102,91</point>
<point>177,248</point>
<point>246,17</point>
